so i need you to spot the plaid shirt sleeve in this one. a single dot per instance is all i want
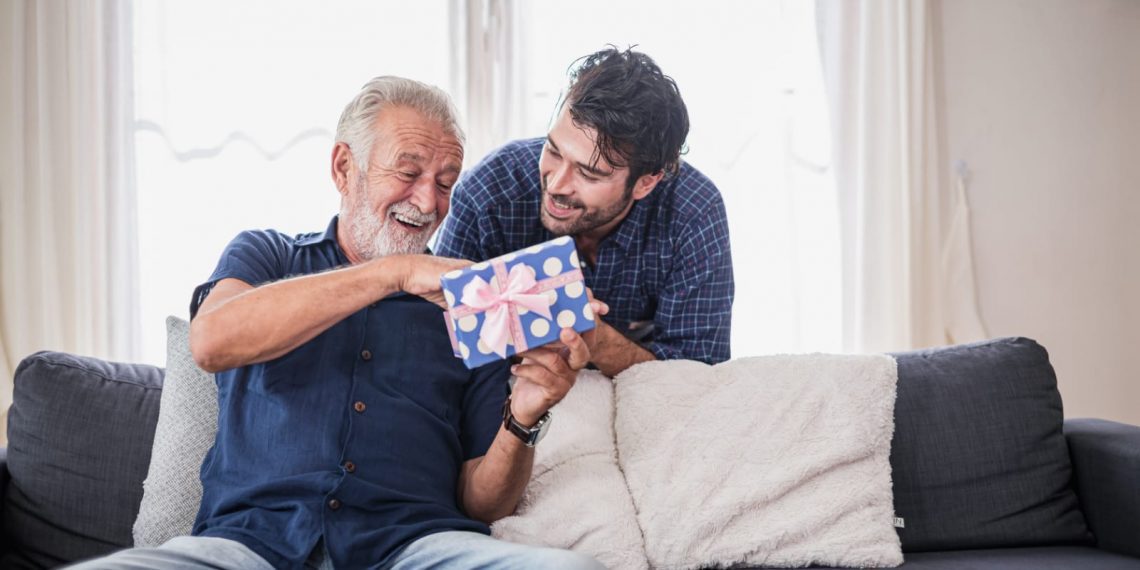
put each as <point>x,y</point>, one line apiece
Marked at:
<point>471,229</point>
<point>694,311</point>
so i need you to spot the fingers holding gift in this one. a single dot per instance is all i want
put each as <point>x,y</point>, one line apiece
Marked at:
<point>543,379</point>
<point>599,307</point>
<point>576,352</point>
<point>420,275</point>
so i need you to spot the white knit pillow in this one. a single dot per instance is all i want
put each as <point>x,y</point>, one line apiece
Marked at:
<point>772,461</point>
<point>577,498</point>
<point>187,423</point>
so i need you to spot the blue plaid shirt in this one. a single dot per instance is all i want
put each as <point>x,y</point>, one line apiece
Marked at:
<point>668,263</point>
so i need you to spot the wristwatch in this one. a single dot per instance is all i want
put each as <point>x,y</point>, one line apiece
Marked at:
<point>529,435</point>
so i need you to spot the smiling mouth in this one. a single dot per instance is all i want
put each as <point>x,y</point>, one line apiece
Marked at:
<point>407,222</point>
<point>559,207</point>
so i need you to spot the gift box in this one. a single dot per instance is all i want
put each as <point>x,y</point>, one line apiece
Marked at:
<point>516,302</point>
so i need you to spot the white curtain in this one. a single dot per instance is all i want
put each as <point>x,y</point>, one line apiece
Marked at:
<point>907,273</point>
<point>486,67</point>
<point>67,224</point>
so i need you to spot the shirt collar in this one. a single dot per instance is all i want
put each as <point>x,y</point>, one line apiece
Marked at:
<point>328,235</point>
<point>629,228</point>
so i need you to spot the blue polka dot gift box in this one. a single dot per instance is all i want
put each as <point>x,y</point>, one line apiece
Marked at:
<point>516,302</point>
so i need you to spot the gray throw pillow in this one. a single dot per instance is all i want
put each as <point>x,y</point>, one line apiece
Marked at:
<point>978,457</point>
<point>79,440</point>
<point>187,423</point>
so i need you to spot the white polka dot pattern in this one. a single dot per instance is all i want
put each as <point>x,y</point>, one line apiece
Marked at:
<point>540,327</point>
<point>552,267</point>
<point>566,319</point>
<point>575,289</point>
<point>468,323</point>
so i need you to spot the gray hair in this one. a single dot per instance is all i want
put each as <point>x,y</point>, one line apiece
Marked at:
<point>357,123</point>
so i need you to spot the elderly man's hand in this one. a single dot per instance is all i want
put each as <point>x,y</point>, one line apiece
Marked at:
<point>419,275</point>
<point>545,375</point>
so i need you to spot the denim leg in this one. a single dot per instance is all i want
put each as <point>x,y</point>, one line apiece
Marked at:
<point>182,553</point>
<point>463,550</point>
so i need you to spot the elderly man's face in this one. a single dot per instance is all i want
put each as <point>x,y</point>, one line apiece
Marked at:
<point>401,200</point>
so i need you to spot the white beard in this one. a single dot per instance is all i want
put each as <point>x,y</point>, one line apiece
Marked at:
<point>374,237</point>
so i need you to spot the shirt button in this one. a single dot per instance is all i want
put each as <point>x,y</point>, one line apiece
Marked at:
<point>359,407</point>
<point>334,504</point>
<point>366,354</point>
<point>350,467</point>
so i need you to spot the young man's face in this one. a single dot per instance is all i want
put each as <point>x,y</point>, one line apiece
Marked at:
<point>580,196</point>
<point>401,200</point>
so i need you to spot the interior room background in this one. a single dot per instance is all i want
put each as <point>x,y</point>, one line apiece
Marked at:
<point>897,173</point>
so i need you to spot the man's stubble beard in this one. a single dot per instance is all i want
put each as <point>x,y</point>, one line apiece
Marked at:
<point>588,221</point>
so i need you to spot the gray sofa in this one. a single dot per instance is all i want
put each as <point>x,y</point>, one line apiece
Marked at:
<point>986,472</point>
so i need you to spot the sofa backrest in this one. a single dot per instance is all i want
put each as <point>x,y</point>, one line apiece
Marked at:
<point>79,441</point>
<point>978,458</point>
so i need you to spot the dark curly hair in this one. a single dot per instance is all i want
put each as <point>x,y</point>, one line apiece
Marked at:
<point>637,111</point>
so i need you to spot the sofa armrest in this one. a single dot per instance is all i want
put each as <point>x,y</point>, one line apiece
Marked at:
<point>1106,466</point>
<point>3,498</point>
<point>3,477</point>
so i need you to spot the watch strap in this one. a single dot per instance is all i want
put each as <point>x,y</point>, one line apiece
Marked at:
<point>530,436</point>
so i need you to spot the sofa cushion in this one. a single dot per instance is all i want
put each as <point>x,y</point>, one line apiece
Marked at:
<point>79,439</point>
<point>978,458</point>
<point>577,498</point>
<point>771,460</point>
<point>187,424</point>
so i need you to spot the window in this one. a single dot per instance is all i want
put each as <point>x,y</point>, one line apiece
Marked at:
<point>237,102</point>
<point>236,106</point>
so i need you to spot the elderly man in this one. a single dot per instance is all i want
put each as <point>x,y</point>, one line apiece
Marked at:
<point>651,230</point>
<point>348,436</point>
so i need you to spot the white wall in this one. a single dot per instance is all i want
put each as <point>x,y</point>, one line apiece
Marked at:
<point>1042,99</point>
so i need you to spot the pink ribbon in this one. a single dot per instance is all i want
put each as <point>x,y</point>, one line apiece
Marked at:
<point>500,301</point>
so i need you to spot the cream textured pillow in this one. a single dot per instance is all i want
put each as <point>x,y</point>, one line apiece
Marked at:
<point>577,498</point>
<point>771,461</point>
<point>187,423</point>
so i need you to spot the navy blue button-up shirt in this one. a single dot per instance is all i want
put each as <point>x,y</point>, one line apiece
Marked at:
<point>668,263</point>
<point>357,436</point>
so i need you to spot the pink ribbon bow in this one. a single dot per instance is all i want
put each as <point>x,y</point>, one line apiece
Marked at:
<point>500,302</point>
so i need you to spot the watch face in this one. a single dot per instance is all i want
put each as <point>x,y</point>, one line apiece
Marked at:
<point>539,431</point>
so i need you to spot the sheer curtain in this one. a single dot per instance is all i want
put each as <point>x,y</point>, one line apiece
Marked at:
<point>487,73</point>
<point>68,256</point>
<point>907,267</point>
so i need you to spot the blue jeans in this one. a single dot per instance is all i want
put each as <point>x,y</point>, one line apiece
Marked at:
<point>452,549</point>
<point>461,549</point>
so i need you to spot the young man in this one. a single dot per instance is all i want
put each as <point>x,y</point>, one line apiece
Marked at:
<point>348,435</point>
<point>651,230</point>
